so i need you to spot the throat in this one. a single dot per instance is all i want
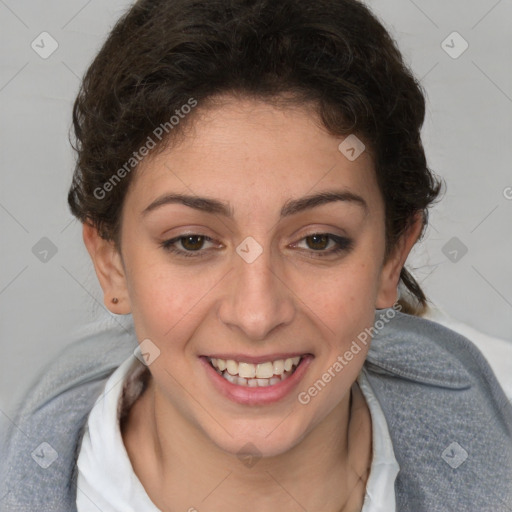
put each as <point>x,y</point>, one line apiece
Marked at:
<point>336,485</point>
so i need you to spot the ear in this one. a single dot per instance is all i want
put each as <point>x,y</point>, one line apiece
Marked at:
<point>387,293</point>
<point>109,269</point>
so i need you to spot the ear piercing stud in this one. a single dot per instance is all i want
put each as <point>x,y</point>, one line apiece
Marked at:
<point>115,300</point>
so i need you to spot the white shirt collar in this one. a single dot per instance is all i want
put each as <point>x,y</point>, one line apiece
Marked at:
<point>380,487</point>
<point>106,480</point>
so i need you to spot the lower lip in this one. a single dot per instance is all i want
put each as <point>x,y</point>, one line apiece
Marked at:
<point>258,395</point>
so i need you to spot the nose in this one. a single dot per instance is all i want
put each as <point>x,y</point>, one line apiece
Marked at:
<point>259,298</point>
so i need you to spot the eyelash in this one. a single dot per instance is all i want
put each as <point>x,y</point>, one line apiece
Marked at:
<point>344,245</point>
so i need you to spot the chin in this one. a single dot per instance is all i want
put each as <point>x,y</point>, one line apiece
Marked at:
<point>270,438</point>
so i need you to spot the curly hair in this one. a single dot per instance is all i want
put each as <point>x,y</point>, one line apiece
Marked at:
<point>332,54</point>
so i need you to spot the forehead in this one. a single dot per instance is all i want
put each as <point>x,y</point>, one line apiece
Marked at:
<point>250,151</point>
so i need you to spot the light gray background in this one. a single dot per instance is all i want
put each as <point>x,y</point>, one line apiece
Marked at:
<point>43,305</point>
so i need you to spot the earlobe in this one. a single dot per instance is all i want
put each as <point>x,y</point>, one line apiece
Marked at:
<point>387,294</point>
<point>109,270</point>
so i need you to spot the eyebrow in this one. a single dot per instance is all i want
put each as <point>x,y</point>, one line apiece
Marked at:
<point>291,207</point>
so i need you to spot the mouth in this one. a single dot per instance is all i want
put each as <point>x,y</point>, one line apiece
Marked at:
<point>256,381</point>
<point>252,375</point>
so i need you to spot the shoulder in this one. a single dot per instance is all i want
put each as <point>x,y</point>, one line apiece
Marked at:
<point>37,470</point>
<point>448,417</point>
<point>425,351</point>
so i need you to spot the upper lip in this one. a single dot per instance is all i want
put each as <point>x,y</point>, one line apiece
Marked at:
<point>256,359</point>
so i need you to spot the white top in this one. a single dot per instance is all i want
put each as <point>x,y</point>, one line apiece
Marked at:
<point>107,482</point>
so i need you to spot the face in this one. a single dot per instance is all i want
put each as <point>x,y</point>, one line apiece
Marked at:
<point>257,277</point>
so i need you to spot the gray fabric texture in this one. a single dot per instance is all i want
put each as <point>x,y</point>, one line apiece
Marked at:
<point>449,420</point>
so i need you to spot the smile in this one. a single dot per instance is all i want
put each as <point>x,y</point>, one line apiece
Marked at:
<point>258,380</point>
<point>252,375</point>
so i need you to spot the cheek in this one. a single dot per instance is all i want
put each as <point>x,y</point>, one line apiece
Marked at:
<point>166,299</point>
<point>344,294</point>
<point>344,302</point>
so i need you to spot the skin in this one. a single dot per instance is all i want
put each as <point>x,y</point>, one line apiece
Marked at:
<point>182,435</point>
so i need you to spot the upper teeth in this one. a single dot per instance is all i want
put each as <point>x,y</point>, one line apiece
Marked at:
<point>259,371</point>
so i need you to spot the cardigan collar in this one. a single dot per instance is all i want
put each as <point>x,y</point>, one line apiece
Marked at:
<point>406,347</point>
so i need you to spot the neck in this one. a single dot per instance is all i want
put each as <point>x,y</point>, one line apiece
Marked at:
<point>327,470</point>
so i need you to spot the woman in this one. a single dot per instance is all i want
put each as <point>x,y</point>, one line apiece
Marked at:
<point>251,180</point>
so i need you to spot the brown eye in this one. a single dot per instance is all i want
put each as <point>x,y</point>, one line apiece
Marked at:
<point>192,245</point>
<point>319,242</point>
<point>192,242</point>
